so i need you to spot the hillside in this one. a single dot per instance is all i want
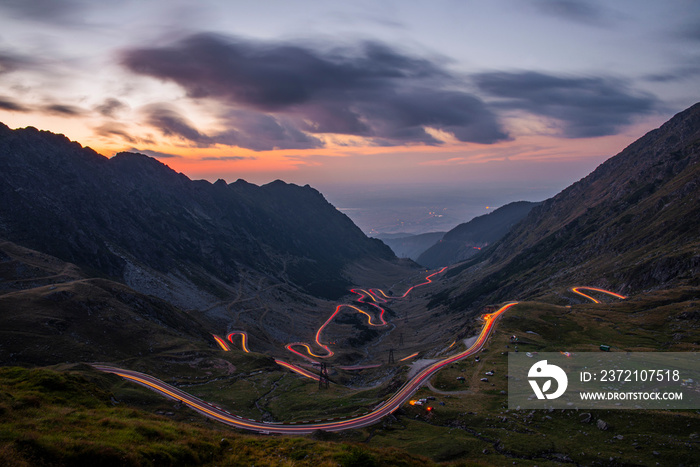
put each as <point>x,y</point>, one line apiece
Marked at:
<point>411,246</point>
<point>72,418</point>
<point>134,219</point>
<point>631,225</point>
<point>467,239</point>
<point>50,313</point>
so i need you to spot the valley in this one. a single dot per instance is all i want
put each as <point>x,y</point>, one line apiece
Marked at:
<point>418,375</point>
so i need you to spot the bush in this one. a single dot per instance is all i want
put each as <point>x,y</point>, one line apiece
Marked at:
<point>357,457</point>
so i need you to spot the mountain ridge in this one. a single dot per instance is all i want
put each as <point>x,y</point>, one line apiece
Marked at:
<point>632,224</point>
<point>466,239</point>
<point>77,205</point>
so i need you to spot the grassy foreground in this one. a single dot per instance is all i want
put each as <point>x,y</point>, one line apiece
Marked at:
<point>471,419</point>
<point>70,418</point>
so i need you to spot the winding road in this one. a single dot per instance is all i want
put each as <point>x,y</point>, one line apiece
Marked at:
<point>335,424</point>
<point>374,296</point>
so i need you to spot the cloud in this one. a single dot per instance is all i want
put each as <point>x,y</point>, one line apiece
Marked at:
<point>689,27</point>
<point>577,11</point>
<point>681,73</point>
<point>290,91</point>
<point>45,11</point>
<point>63,110</point>
<point>156,154</point>
<point>263,132</point>
<point>111,107</point>
<point>8,104</point>
<point>170,122</point>
<point>115,129</point>
<point>584,107</point>
<point>10,62</point>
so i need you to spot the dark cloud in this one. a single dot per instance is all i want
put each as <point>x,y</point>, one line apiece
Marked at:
<point>45,11</point>
<point>63,110</point>
<point>284,89</point>
<point>682,73</point>
<point>691,30</point>
<point>575,10</point>
<point>263,132</point>
<point>170,122</point>
<point>252,130</point>
<point>115,129</point>
<point>111,107</point>
<point>584,107</point>
<point>8,104</point>
<point>10,62</point>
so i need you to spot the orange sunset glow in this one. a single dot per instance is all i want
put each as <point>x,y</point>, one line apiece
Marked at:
<point>352,107</point>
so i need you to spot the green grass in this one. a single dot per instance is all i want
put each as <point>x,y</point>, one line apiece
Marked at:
<point>478,425</point>
<point>284,396</point>
<point>68,418</point>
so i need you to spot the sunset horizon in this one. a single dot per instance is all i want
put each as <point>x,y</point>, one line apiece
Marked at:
<point>335,95</point>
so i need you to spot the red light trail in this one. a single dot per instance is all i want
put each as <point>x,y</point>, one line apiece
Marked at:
<point>338,424</point>
<point>383,409</point>
<point>298,369</point>
<point>244,339</point>
<point>428,280</point>
<point>363,294</point>
<point>222,343</point>
<point>577,291</point>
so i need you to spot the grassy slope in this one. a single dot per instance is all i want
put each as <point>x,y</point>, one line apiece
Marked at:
<point>64,418</point>
<point>475,421</point>
<point>68,418</point>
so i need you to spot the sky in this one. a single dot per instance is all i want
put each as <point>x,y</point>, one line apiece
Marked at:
<point>364,100</point>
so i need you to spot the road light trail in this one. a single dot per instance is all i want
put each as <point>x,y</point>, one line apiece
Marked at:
<point>380,411</point>
<point>577,290</point>
<point>291,346</point>
<point>222,343</point>
<point>298,369</point>
<point>363,294</point>
<point>244,339</point>
<point>381,292</point>
<point>383,409</point>
<point>428,280</point>
<point>410,356</point>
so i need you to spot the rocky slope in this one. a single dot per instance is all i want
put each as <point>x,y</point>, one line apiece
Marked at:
<point>51,313</point>
<point>467,239</point>
<point>632,224</point>
<point>134,219</point>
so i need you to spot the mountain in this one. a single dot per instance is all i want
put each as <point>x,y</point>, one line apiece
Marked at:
<point>467,239</point>
<point>631,225</point>
<point>411,246</point>
<point>51,312</point>
<point>135,220</point>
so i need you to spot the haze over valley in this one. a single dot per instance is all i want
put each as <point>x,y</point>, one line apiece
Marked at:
<point>417,208</point>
